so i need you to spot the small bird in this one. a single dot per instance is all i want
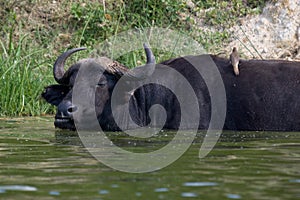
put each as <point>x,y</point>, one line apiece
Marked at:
<point>234,60</point>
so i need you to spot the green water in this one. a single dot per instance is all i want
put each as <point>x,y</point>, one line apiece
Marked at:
<point>39,162</point>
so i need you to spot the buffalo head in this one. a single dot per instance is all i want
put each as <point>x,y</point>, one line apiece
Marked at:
<point>60,94</point>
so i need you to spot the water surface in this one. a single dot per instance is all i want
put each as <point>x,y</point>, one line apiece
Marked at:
<point>39,162</point>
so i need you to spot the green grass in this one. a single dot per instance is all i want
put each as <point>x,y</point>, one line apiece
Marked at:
<point>36,32</point>
<point>23,76</point>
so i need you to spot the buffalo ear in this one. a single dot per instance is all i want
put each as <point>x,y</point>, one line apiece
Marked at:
<point>54,94</point>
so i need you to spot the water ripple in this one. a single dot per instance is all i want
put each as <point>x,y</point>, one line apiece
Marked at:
<point>188,194</point>
<point>199,184</point>
<point>295,181</point>
<point>161,190</point>
<point>54,193</point>
<point>17,188</point>
<point>233,196</point>
<point>103,192</point>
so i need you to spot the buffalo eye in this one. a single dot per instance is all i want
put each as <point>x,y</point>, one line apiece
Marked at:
<point>102,83</point>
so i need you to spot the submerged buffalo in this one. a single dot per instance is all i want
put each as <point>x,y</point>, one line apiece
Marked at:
<point>265,95</point>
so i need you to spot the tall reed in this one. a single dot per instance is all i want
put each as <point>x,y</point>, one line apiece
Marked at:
<point>22,73</point>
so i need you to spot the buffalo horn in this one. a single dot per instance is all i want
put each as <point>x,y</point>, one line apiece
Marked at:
<point>142,72</point>
<point>58,68</point>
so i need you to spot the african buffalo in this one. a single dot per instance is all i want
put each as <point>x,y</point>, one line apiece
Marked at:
<point>263,97</point>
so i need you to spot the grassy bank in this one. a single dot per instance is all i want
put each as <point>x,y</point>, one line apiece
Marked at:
<point>35,32</point>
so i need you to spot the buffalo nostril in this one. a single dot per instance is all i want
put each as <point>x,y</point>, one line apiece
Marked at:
<point>72,109</point>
